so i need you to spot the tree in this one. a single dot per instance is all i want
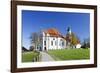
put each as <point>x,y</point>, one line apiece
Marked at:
<point>72,39</point>
<point>24,49</point>
<point>31,48</point>
<point>86,43</point>
<point>36,39</point>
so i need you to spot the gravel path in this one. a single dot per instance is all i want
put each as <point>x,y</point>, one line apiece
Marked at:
<point>45,57</point>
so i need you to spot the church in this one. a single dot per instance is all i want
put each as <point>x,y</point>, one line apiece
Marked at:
<point>52,39</point>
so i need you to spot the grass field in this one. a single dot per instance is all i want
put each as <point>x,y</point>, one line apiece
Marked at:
<point>70,54</point>
<point>29,56</point>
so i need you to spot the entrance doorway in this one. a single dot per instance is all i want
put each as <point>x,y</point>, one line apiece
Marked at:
<point>45,48</point>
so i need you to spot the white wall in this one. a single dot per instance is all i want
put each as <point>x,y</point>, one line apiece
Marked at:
<point>5,37</point>
<point>52,39</point>
<point>59,43</point>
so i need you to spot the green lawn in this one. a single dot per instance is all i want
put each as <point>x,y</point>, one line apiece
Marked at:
<point>28,56</point>
<point>70,54</point>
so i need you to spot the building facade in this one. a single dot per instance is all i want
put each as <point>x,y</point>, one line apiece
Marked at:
<point>52,40</point>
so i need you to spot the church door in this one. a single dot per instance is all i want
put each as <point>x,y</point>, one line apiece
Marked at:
<point>45,48</point>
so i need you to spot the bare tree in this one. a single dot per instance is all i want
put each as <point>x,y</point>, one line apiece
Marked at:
<point>36,39</point>
<point>86,43</point>
<point>31,48</point>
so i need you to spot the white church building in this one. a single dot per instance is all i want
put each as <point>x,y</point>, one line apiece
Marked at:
<point>52,39</point>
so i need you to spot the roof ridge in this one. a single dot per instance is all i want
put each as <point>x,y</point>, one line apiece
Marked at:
<point>53,32</point>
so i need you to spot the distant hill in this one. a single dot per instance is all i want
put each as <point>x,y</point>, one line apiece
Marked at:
<point>24,49</point>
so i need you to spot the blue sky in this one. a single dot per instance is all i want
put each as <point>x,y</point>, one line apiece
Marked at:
<point>34,21</point>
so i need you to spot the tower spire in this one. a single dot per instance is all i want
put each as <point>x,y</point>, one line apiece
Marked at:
<point>69,30</point>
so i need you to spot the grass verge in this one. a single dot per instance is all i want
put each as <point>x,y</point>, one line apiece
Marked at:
<point>70,54</point>
<point>29,56</point>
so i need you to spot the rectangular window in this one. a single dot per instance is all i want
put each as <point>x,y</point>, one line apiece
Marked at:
<point>44,42</point>
<point>62,43</point>
<point>52,43</point>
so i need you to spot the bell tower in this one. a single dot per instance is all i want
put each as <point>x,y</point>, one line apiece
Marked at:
<point>69,30</point>
<point>68,38</point>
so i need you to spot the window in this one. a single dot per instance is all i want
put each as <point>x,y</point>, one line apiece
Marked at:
<point>44,42</point>
<point>52,43</point>
<point>62,43</point>
<point>53,38</point>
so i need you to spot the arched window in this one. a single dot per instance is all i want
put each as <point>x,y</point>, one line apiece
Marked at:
<point>61,42</point>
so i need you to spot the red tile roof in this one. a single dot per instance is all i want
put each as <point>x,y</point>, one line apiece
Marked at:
<point>53,32</point>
